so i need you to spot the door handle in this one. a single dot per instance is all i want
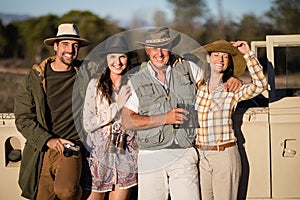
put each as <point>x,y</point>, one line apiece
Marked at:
<point>288,152</point>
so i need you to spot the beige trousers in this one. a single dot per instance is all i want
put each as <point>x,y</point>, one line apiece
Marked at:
<point>220,173</point>
<point>168,171</point>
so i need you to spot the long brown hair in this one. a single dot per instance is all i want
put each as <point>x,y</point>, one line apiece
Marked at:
<point>105,84</point>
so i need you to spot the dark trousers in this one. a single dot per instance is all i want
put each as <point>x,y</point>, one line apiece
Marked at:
<point>60,177</point>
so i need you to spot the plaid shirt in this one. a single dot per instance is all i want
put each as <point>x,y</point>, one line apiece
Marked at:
<point>215,109</point>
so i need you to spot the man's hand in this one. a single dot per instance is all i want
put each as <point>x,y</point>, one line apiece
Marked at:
<point>133,121</point>
<point>176,116</point>
<point>233,84</point>
<point>58,144</point>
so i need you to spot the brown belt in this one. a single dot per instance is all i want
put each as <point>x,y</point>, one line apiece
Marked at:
<point>220,147</point>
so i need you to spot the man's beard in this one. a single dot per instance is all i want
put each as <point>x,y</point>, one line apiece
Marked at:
<point>67,63</point>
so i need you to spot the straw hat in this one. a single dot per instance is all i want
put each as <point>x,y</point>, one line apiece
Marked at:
<point>160,37</point>
<point>239,63</point>
<point>67,31</point>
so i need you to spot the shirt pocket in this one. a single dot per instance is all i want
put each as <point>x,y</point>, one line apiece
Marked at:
<point>150,100</point>
<point>185,85</point>
<point>146,91</point>
<point>150,138</point>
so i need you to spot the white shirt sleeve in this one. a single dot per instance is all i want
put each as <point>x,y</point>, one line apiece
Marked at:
<point>133,101</point>
<point>197,71</point>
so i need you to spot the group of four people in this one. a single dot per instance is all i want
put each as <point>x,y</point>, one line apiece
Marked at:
<point>135,123</point>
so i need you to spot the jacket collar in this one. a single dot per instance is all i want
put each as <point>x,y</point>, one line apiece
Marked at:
<point>40,68</point>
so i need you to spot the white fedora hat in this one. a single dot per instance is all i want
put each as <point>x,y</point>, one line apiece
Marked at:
<point>67,31</point>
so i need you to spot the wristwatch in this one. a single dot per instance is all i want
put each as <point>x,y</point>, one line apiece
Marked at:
<point>249,54</point>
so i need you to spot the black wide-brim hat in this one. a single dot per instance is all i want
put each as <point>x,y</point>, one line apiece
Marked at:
<point>115,44</point>
<point>67,31</point>
<point>239,62</point>
<point>160,37</point>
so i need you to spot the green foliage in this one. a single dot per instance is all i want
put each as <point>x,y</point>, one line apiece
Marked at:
<point>284,16</point>
<point>252,28</point>
<point>32,32</point>
<point>2,39</point>
<point>91,27</point>
<point>24,39</point>
<point>187,14</point>
<point>188,9</point>
<point>21,43</point>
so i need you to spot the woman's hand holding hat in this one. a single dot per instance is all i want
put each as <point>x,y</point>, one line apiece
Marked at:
<point>242,46</point>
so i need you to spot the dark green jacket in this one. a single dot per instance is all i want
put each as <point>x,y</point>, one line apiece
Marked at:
<point>30,112</point>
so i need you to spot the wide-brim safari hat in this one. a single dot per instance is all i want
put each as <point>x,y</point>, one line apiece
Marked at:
<point>116,44</point>
<point>67,31</point>
<point>239,62</point>
<point>160,37</point>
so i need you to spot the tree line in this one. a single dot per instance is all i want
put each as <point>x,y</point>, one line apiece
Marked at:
<point>23,39</point>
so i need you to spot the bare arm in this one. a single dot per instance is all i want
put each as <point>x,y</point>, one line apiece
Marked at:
<point>133,121</point>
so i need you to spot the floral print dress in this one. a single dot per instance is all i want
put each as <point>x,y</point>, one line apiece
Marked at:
<point>103,169</point>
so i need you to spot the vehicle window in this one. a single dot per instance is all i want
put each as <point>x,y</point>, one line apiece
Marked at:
<point>287,70</point>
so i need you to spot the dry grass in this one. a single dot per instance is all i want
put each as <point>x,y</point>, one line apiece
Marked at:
<point>9,85</point>
<point>11,78</point>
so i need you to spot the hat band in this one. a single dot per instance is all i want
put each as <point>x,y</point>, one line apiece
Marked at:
<point>67,35</point>
<point>158,40</point>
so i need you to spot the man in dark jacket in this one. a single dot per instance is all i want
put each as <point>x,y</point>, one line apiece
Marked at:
<point>51,163</point>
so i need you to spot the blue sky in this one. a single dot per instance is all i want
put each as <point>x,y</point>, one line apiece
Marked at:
<point>125,10</point>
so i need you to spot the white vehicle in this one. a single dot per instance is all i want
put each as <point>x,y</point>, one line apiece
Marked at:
<point>10,140</point>
<point>267,128</point>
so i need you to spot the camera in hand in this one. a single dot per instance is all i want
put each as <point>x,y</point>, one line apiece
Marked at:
<point>192,121</point>
<point>70,150</point>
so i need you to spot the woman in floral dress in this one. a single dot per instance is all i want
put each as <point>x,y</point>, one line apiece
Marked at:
<point>112,151</point>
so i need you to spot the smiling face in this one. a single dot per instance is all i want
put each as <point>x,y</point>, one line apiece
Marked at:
<point>159,57</point>
<point>66,51</point>
<point>117,62</point>
<point>219,61</point>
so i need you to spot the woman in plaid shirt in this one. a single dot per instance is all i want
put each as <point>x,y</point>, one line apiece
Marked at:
<point>220,164</point>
